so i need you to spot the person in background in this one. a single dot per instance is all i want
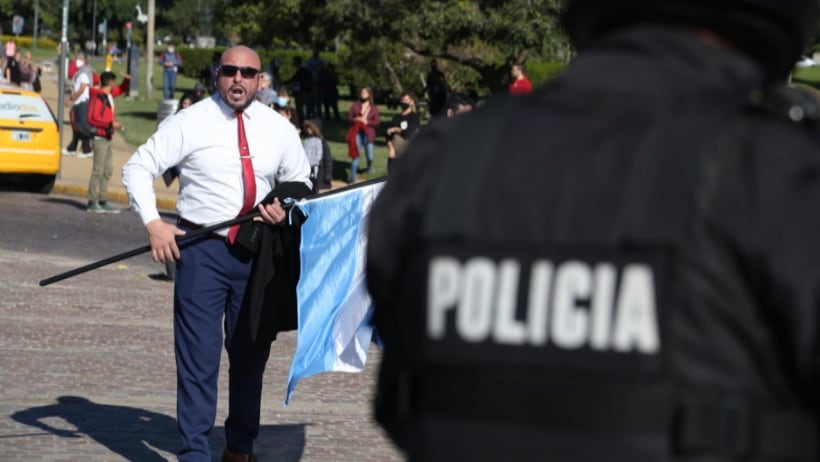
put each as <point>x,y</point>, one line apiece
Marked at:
<point>170,61</point>
<point>185,101</point>
<point>364,119</point>
<point>314,102</point>
<point>403,125</point>
<point>102,117</point>
<point>520,84</point>
<point>81,132</point>
<point>276,77</point>
<point>216,143</point>
<point>266,94</point>
<point>301,86</point>
<point>282,106</point>
<point>28,72</point>
<point>199,92</point>
<point>318,154</point>
<point>622,266</point>
<point>436,90</point>
<point>457,103</point>
<point>11,51</point>
<point>329,81</point>
<point>72,68</point>
<point>13,71</point>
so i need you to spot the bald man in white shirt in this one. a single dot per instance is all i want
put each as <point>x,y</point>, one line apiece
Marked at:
<point>205,142</point>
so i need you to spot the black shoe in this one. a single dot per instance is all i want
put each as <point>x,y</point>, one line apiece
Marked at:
<point>230,456</point>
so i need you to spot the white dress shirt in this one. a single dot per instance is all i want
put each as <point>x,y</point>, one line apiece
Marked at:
<point>203,142</point>
<point>80,79</point>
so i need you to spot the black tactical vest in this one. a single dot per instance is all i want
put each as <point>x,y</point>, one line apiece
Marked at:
<point>553,337</point>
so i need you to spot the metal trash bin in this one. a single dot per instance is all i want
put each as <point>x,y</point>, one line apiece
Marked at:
<point>165,108</point>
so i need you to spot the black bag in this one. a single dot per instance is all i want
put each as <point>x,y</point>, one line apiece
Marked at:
<point>79,120</point>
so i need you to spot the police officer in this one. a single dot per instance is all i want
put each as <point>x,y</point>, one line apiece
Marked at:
<point>624,265</point>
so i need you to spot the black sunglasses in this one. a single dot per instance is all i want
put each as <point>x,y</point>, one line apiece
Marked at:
<point>228,70</point>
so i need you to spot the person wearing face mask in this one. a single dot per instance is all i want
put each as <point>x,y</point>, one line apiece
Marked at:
<point>231,151</point>
<point>282,105</point>
<point>170,60</point>
<point>364,119</point>
<point>403,125</point>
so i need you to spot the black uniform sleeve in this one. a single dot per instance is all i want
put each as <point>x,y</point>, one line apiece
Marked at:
<point>770,212</point>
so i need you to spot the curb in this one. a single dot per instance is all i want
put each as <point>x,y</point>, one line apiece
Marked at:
<point>115,195</point>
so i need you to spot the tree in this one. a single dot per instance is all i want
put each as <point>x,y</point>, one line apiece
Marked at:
<point>188,18</point>
<point>485,36</point>
<point>264,23</point>
<point>49,18</point>
<point>388,43</point>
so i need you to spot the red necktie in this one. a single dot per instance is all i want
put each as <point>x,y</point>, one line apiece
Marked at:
<point>248,178</point>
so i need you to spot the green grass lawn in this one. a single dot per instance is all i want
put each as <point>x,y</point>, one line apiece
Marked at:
<point>807,76</point>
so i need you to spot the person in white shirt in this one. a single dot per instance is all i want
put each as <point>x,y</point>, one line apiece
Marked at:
<point>211,274</point>
<point>81,132</point>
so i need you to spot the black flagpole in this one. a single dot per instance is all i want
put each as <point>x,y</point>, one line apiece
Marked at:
<point>190,235</point>
<point>146,248</point>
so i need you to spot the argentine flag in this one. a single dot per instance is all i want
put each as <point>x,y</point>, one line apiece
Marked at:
<point>334,307</point>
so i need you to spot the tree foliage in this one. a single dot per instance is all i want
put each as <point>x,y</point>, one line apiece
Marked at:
<point>389,42</point>
<point>381,43</point>
<point>484,36</point>
<point>48,15</point>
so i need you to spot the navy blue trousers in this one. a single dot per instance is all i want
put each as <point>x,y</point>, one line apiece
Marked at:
<point>210,283</point>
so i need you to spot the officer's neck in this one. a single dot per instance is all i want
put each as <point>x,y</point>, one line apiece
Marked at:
<point>711,38</point>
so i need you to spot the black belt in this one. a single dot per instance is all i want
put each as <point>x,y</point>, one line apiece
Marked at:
<point>193,227</point>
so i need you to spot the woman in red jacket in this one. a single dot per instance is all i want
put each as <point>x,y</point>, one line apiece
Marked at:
<point>364,117</point>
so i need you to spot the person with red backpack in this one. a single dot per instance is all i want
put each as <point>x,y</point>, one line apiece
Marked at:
<point>101,118</point>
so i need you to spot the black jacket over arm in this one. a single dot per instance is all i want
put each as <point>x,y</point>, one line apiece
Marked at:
<point>270,297</point>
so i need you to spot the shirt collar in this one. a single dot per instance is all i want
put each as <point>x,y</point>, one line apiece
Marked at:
<point>230,112</point>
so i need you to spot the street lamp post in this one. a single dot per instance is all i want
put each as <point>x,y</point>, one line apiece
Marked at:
<point>61,78</point>
<point>94,26</point>
<point>149,72</point>
<point>36,24</point>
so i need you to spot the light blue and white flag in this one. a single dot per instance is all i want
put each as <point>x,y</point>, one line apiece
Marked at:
<point>334,307</point>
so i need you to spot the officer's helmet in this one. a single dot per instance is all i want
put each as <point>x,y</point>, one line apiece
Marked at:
<point>773,32</point>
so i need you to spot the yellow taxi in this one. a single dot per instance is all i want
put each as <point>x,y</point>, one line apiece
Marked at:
<point>29,138</point>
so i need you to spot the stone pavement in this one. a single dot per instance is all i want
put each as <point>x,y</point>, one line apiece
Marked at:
<point>88,373</point>
<point>75,172</point>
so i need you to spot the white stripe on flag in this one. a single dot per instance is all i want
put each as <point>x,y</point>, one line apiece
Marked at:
<point>334,307</point>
